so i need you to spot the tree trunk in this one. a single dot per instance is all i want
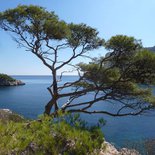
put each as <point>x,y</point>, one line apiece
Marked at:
<point>54,93</point>
<point>49,106</point>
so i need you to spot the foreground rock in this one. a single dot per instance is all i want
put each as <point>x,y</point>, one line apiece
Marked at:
<point>7,115</point>
<point>111,150</point>
<point>6,80</point>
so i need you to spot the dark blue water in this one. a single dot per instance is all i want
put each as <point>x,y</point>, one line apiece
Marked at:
<point>29,100</point>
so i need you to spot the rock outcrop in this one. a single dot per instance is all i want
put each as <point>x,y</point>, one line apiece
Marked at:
<point>11,83</point>
<point>6,80</point>
<point>7,115</point>
<point>111,150</point>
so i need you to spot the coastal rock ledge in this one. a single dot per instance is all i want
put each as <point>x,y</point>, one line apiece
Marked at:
<point>7,115</point>
<point>11,83</point>
<point>111,150</point>
<point>6,80</point>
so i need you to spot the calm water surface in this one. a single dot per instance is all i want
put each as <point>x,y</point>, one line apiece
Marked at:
<point>29,100</point>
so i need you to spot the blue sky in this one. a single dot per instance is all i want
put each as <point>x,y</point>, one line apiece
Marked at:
<point>109,17</point>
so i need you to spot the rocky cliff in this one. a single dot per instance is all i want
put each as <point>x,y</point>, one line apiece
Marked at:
<point>6,80</point>
<point>111,150</point>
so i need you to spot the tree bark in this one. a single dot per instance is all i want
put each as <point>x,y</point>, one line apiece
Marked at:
<point>49,106</point>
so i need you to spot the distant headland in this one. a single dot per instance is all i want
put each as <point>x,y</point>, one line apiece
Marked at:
<point>6,80</point>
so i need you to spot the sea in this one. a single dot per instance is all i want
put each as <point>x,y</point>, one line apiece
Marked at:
<point>29,100</point>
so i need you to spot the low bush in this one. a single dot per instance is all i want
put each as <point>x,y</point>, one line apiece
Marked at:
<point>6,77</point>
<point>49,136</point>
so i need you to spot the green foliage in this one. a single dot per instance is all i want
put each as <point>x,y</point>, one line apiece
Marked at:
<point>75,121</point>
<point>127,60</point>
<point>143,70</point>
<point>42,25</point>
<point>34,21</point>
<point>122,72</point>
<point>6,77</point>
<point>104,75</point>
<point>123,43</point>
<point>83,35</point>
<point>122,50</point>
<point>49,136</point>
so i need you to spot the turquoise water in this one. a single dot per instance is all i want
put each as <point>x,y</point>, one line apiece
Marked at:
<point>29,100</point>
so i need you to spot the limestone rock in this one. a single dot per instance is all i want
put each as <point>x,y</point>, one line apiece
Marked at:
<point>7,115</point>
<point>6,80</point>
<point>111,150</point>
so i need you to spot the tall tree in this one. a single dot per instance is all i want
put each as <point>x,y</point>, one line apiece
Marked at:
<point>123,77</point>
<point>116,77</point>
<point>42,33</point>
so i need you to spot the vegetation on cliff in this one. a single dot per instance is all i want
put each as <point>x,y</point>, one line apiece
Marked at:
<point>64,135</point>
<point>6,77</point>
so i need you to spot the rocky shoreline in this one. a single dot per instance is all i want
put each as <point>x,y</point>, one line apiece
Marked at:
<point>6,80</point>
<point>11,83</point>
<point>111,150</point>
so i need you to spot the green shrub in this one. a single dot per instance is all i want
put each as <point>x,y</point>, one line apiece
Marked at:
<point>49,136</point>
<point>6,77</point>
